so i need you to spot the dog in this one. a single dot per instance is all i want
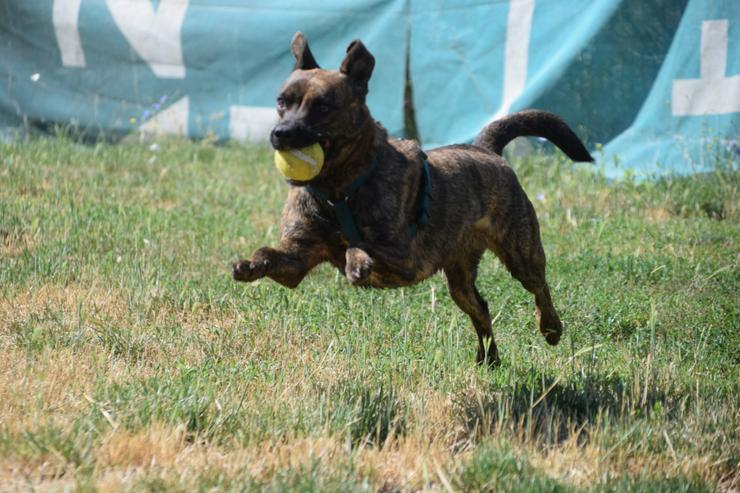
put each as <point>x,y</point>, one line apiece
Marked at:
<point>410,213</point>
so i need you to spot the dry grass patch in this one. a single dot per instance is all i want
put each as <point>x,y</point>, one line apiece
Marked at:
<point>658,214</point>
<point>15,243</point>
<point>125,458</point>
<point>38,392</point>
<point>407,464</point>
<point>157,446</point>
<point>98,301</point>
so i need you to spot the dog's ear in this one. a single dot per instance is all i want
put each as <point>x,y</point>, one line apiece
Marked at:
<point>358,65</point>
<point>304,59</point>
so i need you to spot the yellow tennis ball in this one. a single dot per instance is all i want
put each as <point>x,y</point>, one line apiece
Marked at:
<point>300,164</point>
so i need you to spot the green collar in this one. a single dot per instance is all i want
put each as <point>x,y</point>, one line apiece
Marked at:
<point>344,215</point>
<point>341,207</point>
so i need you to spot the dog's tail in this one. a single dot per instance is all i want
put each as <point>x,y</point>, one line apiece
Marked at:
<point>498,133</point>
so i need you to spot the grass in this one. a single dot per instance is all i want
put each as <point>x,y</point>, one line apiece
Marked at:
<point>131,361</point>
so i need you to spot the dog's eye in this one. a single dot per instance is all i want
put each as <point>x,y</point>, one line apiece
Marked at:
<point>281,103</point>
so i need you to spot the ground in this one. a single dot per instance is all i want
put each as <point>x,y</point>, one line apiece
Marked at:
<point>132,361</point>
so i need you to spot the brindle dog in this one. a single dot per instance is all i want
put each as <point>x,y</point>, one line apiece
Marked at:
<point>476,202</point>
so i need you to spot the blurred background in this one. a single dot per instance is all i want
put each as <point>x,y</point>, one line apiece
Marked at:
<point>652,87</point>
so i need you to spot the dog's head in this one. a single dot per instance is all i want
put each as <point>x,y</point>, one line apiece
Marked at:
<point>324,106</point>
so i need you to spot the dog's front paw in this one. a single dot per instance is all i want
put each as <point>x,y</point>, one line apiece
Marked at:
<point>358,267</point>
<point>248,270</point>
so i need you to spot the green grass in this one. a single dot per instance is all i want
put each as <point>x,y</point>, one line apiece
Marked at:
<point>132,361</point>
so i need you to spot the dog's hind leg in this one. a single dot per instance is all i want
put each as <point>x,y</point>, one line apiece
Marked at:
<point>461,277</point>
<point>521,252</point>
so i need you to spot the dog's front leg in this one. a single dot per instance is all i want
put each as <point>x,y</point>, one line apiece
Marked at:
<point>358,265</point>
<point>287,268</point>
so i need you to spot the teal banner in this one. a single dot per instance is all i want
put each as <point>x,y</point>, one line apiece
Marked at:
<point>191,68</point>
<point>653,87</point>
<point>690,118</point>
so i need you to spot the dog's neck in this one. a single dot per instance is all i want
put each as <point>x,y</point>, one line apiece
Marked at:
<point>352,158</point>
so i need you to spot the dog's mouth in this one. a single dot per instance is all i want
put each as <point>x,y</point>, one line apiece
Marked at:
<point>305,140</point>
<point>326,145</point>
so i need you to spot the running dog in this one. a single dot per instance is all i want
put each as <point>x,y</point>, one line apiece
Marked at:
<point>387,214</point>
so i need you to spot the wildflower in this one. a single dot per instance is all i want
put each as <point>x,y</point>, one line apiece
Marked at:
<point>733,147</point>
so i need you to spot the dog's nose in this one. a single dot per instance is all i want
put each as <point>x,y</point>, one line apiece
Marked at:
<point>279,135</point>
<point>279,132</point>
<point>292,134</point>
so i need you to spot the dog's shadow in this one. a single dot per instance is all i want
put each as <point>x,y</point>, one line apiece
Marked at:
<point>548,410</point>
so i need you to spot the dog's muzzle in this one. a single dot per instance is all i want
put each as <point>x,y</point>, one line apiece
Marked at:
<point>292,134</point>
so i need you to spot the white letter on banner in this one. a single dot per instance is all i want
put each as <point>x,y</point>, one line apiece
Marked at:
<point>171,121</point>
<point>518,29</point>
<point>64,17</point>
<point>251,123</point>
<point>713,93</point>
<point>156,36</point>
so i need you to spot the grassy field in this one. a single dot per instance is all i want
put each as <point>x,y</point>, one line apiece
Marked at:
<point>132,361</point>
